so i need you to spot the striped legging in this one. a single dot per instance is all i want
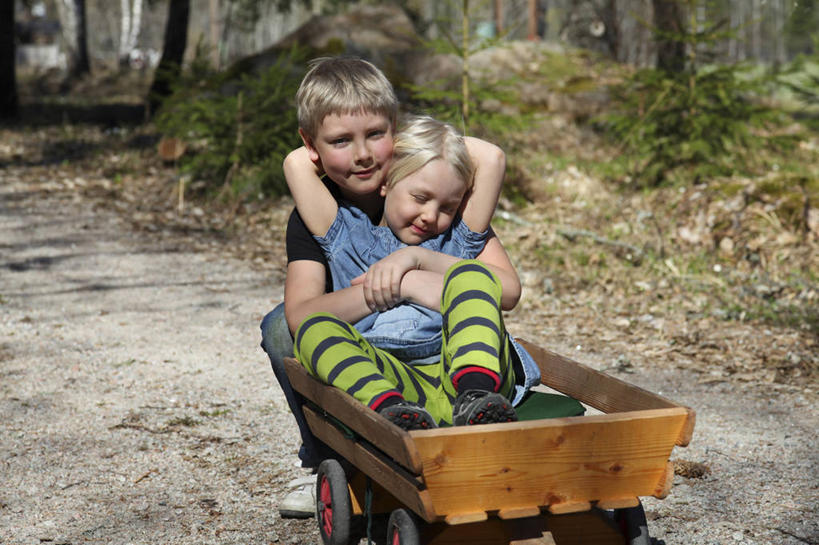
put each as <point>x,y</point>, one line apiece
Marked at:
<point>474,340</point>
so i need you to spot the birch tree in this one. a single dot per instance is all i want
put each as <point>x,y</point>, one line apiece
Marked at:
<point>130,24</point>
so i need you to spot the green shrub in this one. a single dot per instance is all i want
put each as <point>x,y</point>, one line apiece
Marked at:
<point>699,120</point>
<point>703,120</point>
<point>238,130</point>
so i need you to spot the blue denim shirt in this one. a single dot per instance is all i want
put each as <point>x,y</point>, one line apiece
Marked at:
<point>412,333</point>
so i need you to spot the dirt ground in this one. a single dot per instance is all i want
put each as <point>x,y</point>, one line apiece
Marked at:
<point>138,407</point>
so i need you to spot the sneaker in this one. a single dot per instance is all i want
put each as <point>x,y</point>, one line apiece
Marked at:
<point>408,416</point>
<point>474,407</point>
<point>300,502</point>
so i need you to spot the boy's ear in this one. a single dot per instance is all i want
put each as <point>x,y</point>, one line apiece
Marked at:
<point>383,189</point>
<point>308,143</point>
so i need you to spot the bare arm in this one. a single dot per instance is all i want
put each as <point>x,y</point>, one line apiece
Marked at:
<point>396,274</point>
<point>490,167</point>
<point>315,203</point>
<point>304,294</point>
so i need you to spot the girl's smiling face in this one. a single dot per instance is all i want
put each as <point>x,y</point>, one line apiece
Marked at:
<point>423,204</point>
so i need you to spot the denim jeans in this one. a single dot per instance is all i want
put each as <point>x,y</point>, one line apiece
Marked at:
<point>278,344</point>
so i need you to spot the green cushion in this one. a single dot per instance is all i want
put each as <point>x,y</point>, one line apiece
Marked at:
<point>539,405</point>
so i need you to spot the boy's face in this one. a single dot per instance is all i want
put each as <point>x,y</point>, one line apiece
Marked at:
<point>423,204</point>
<point>354,150</point>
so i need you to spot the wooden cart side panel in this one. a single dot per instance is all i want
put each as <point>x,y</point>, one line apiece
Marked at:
<point>599,390</point>
<point>400,487</point>
<point>372,426</point>
<point>542,463</point>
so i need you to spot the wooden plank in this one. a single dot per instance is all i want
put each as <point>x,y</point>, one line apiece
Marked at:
<point>618,503</point>
<point>379,431</point>
<point>666,480</point>
<point>544,462</point>
<point>455,519</point>
<point>599,390</point>
<point>566,507</point>
<point>519,513</point>
<point>383,473</point>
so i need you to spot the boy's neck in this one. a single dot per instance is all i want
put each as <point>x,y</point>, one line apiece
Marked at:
<point>372,205</point>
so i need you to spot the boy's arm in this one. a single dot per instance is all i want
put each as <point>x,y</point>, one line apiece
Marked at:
<point>315,203</point>
<point>490,167</point>
<point>304,294</point>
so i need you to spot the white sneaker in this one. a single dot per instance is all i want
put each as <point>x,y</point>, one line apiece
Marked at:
<point>300,502</point>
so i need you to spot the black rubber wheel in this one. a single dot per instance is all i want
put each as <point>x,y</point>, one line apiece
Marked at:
<point>333,507</point>
<point>633,525</point>
<point>402,529</point>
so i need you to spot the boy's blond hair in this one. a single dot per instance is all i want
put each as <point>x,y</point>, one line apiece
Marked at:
<point>421,139</point>
<point>343,85</point>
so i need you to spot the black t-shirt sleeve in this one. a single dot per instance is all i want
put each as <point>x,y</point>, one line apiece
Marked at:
<point>302,246</point>
<point>300,243</point>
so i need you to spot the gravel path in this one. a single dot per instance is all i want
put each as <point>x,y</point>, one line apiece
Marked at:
<point>138,408</point>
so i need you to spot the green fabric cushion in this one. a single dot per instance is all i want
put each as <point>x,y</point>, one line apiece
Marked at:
<point>539,405</point>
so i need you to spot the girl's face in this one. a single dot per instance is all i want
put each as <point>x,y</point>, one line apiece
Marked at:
<point>423,204</point>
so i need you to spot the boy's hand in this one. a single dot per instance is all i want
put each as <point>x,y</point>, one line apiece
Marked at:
<point>382,281</point>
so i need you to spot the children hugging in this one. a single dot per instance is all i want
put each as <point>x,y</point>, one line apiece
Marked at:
<point>395,282</point>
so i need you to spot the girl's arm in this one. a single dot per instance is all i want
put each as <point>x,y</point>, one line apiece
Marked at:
<point>315,203</point>
<point>490,167</point>
<point>395,277</point>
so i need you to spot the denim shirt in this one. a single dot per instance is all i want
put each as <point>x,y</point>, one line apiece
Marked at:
<point>412,333</point>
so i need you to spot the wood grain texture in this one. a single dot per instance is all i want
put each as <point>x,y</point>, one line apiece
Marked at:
<point>369,424</point>
<point>546,462</point>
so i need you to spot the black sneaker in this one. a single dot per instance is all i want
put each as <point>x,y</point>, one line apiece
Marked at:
<point>408,416</point>
<point>474,407</point>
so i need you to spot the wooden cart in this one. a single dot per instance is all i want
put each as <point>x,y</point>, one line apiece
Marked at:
<point>560,480</point>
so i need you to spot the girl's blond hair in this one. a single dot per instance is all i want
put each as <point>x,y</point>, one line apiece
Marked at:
<point>421,139</point>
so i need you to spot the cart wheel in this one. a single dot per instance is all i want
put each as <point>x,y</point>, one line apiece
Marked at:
<point>333,507</point>
<point>402,529</point>
<point>633,525</point>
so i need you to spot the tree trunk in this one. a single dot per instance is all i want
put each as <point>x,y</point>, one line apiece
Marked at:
<point>124,31</point>
<point>173,51</point>
<point>82,64</point>
<point>130,25</point>
<point>73,19</point>
<point>9,105</point>
<point>668,21</point>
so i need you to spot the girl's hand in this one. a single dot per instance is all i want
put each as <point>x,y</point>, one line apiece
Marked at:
<point>382,282</point>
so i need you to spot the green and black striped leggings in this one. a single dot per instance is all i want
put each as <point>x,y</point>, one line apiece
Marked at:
<point>474,340</point>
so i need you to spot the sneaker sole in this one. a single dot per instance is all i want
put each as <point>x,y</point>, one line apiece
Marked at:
<point>492,410</point>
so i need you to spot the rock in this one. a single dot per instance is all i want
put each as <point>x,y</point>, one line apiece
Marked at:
<point>726,245</point>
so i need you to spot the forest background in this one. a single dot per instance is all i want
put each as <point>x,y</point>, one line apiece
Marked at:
<point>660,206</point>
<point>661,151</point>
